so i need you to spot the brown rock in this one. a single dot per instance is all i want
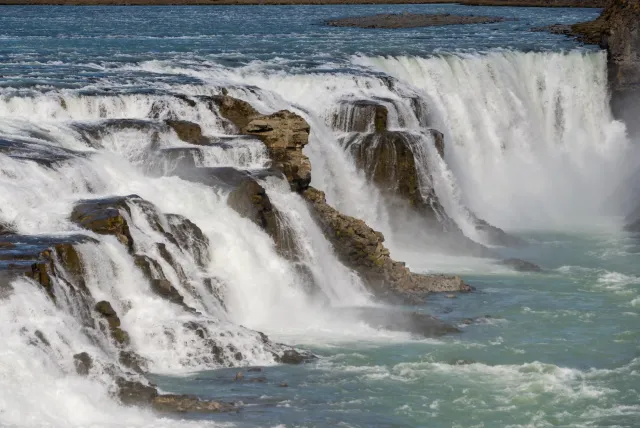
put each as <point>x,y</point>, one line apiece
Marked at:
<point>236,111</point>
<point>360,116</point>
<point>105,217</point>
<point>107,312</point>
<point>361,248</point>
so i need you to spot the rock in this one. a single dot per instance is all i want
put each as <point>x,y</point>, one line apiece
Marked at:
<point>38,257</point>
<point>284,385</point>
<point>236,111</point>
<point>107,312</point>
<point>83,363</point>
<point>521,265</point>
<point>185,403</point>
<point>254,369</point>
<point>188,132</point>
<point>250,200</point>
<point>133,393</point>
<point>106,217</point>
<point>170,160</point>
<point>132,361</point>
<point>239,376</point>
<point>6,229</point>
<point>407,20</point>
<point>291,356</point>
<point>285,134</point>
<point>361,248</point>
<point>165,289</point>
<point>360,116</point>
<point>451,296</point>
<point>41,337</point>
<point>189,238</point>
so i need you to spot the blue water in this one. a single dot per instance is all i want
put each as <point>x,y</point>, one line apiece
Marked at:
<point>559,348</point>
<point>71,47</point>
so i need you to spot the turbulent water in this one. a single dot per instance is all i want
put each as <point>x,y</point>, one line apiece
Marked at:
<point>529,146</point>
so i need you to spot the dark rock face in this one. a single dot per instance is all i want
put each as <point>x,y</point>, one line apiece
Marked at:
<point>133,393</point>
<point>495,236</point>
<point>407,20</point>
<point>291,356</point>
<point>360,116</point>
<point>361,248</point>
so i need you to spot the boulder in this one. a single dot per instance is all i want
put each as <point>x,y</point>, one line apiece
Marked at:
<point>134,393</point>
<point>361,248</point>
<point>291,356</point>
<point>237,112</point>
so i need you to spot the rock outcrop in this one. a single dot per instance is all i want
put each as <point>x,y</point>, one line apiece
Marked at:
<point>284,134</point>
<point>360,116</point>
<point>361,248</point>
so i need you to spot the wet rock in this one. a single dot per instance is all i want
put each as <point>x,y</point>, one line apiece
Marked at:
<point>236,111</point>
<point>254,369</point>
<point>166,290</point>
<point>360,116</point>
<point>188,132</point>
<point>106,217</point>
<point>239,376</point>
<point>6,229</point>
<point>186,404</point>
<point>93,132</point>
<point>407,20</point>
<point>284,385</point>
<point>83,363</point>
<point>189,238</point>
<point>132,361</point>
<point>38,257</point>
<point>291,356</point>
<point>42,153</point>
<point>107,312</point>
<point>168,161</point>
<point>521,265</point>
<point>361,248</point>
<point>285,134</point>
<point>134,393</point>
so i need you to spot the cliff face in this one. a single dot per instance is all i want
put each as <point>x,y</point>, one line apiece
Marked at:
<point>618,31</point>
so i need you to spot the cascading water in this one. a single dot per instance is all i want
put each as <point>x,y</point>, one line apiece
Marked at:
<point>529,136</point>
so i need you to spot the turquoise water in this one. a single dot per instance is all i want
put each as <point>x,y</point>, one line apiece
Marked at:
<point>559,348</point>
<point>553,349</point>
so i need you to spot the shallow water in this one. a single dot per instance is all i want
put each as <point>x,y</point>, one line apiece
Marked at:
<point>557,348</point>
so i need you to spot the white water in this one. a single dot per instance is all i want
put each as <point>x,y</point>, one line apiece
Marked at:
<point>529,144</point>
<point>529,137</point>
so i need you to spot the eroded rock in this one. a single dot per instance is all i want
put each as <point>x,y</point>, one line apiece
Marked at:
<point>361,248</point>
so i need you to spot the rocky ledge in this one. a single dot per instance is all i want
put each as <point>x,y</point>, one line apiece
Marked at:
<point>409,20</point>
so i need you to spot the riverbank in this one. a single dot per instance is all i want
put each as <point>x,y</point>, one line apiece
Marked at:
<point>521,3</point>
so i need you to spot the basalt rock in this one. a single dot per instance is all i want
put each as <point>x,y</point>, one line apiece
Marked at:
<point>361,248</point>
